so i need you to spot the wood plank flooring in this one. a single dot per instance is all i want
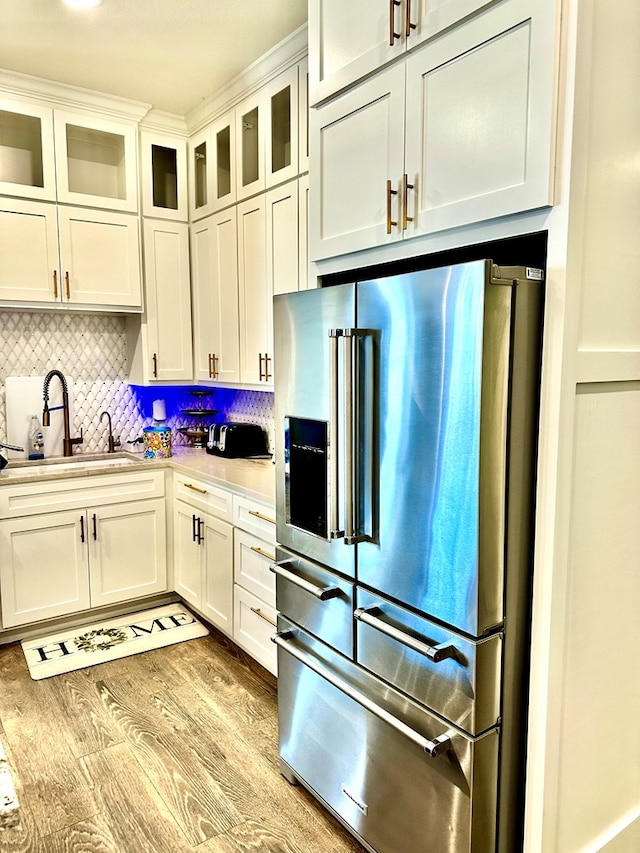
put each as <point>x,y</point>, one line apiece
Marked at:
<point>169,751</point>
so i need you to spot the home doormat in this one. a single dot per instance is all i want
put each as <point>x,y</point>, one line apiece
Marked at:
<point>88,645</point>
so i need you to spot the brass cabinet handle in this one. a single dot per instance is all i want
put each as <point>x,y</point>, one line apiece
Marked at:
<point>257,514</point>
<point>213,365</point>
<point>408,25</point>
<point>264,616</point>
<point>267,359</point>
<point>66,282</point>
<point>55,284</point>
<point>210,366</point>
<point>195,488</point>
<point>393,35</point>
<point>260,366</point>
<point>263,553</point>
<point>405,205</point>
<point>155,365</point>
<point>390,221</point>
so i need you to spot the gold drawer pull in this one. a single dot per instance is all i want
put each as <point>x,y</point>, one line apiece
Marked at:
<point>257,514</point>
<point>262,615</point>
<point>195,489</point>
<point>263,553</point>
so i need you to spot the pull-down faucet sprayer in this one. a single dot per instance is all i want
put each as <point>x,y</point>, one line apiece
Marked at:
<point>67,442</point>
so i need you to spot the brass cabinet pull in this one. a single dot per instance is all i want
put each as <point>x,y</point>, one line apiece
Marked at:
<point>260,366</point>
<point>66,283</point>
<point>257,514</point>
<point>267,359</point>
<point>195,488</point>
<point>155,365</point>
<point>264,616</point>
<point>405,205</point>
<point>393,35</point>
<point>390,221</point>
<point>55,284</point>
<point>408,25</point>
<point>263,553</point>
<point>213,368</point>
<point>210,365</point>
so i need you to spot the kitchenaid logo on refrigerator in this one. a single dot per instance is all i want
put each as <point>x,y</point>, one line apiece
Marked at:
<point>364,808</point>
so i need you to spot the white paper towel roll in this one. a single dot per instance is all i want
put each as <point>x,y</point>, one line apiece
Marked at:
<point>159,410</point>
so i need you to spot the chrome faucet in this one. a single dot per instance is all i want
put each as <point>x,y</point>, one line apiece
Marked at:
<point>67,442</point>
<point>113,442</point>
<point>3,459</point>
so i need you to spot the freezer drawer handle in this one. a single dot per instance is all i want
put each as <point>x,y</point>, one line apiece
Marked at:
<point>321,592</point>
<point>434,653</point>
<point>432,747</point>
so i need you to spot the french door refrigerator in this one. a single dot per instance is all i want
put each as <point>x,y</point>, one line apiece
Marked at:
<point>406,423</point>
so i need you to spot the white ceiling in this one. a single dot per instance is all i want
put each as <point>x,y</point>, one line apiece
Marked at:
<point>172,54</point>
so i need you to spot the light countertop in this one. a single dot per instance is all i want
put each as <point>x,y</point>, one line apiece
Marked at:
<point>252,477</point>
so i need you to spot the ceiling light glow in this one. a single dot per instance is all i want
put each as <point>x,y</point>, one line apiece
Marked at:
<point>82,4</point>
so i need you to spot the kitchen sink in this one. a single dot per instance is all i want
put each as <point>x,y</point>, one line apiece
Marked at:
<point>55,466</point>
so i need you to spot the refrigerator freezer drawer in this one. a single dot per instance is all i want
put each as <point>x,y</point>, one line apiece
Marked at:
<point>376,777</point>
<point>454,676</point>
<point>316,599</point>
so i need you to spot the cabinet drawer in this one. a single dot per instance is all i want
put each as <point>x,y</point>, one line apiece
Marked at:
<point>255,517</point>
<point>79,492</point>
<point>203,495</point>
<point>252,558</point>
<point>254,623</point>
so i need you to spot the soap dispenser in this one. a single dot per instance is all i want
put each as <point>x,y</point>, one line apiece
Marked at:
<point>36,439</point>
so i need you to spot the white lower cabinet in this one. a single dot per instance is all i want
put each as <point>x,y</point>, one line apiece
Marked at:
<point>57,563</point>
<point>203,558</point>
<point>254,597</point>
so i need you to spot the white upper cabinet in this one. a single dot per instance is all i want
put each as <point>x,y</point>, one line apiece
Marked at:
<point>212,176</point>
<point>281,135</point>
<point>164,176</point>
<point>474,142</point>
<point>27,166</point>
<point>250,140</point>
<point>31,276</point>
<point>256,352</point>
<point>96,161</point>
<point>214,281</point>
<point>303,116</point>
<point>349,41</point>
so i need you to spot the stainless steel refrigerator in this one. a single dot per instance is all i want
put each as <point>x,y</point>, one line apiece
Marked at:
<point>406,421</point>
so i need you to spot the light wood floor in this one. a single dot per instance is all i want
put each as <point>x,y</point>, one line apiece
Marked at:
<point>165,752</point>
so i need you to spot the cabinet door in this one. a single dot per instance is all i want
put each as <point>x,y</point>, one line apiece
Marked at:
<point>27,166</point>
<point>43,567</point>
<point>304,277</point>
<point>30,275</point>
<point>357,147</point>
<point>223,153</point>
<point>252,559</point>
<point>99,257</point>
<point>187,555</point>
<point>168,299</point>
<point>214,266</point>
<point>255,298</point>
<point>200,180</point>
<point>254,623</point>
<point>348,41</point>
<point>216,541</point>
<point>303,116</point>
<point>282,243</point>
<point>250,143</point>
<point>480,118</point>
<point>164,176</point>
<point>96,161</point>
<point>281,134</point>
<point>127,551</point>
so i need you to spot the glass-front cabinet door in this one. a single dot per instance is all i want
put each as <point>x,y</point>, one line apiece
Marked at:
<point>96,161</point>
<point>164,176</point>
<point>250,141</point>
<point>27,166</point>
<point>281,135</point>
<point>200,180</point>
<point>223,142</point>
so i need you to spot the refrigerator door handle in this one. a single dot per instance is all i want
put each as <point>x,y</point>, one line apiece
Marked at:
<point>434,747</point>
<point>352,463</point>
<point>335,532</point>
<point>321,592</point>
<point>435,653</point>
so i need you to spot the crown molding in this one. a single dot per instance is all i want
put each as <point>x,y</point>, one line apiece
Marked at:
<point>19,85</point>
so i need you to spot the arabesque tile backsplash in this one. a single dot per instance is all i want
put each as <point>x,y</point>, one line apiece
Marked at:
<point>92,349</point>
